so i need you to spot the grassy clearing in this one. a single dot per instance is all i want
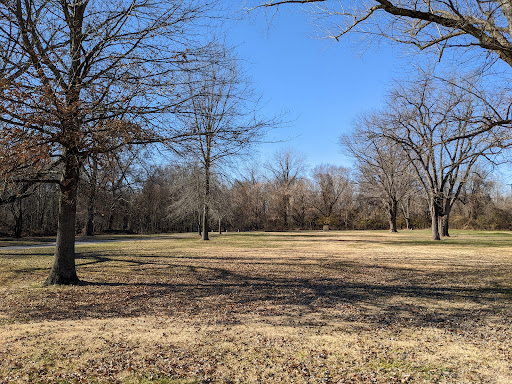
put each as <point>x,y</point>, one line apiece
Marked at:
<point>301,307</point>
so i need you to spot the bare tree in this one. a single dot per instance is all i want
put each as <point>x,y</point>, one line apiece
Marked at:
<point>222,205</point>
<point>476,196</point>
<point>95,71</point>
<point>221,119</point>
<point>186,194</point>
<point>384,169</point>
<point>251,201</point>
<point>302,204</point>
<point>433,121</point>
<point>286,169</point>
<point>331,182</point>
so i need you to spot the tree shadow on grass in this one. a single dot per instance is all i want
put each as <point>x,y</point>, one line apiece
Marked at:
<point>172,287</point>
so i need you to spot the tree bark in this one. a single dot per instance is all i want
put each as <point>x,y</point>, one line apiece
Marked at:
<point>444,224</point>
<point>64,270</point>
<point>434,210</point>
<point>206,229</point>
<point>392,212</point>
<point>17,212</point>
<point>18,224</point>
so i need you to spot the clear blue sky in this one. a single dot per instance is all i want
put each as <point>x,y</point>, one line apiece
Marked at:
<point>321,84</point>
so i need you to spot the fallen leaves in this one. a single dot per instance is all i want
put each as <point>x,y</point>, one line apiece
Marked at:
<point>302,312</point>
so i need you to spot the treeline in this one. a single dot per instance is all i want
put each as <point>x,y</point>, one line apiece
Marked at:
<point>122,195</point>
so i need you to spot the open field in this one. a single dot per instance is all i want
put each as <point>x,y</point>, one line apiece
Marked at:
<point>297,307</point>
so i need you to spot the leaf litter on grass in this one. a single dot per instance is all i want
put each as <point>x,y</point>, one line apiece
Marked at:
<point>302,311</point>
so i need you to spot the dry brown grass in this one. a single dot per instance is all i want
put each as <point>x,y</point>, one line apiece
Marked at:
<point>299,307</point>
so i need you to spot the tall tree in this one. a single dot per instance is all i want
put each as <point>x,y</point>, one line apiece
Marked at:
<point>434,120</point>
<point>384,169</point>
<point>302,204</point>
<point>186,194</point>
<point>331,182</point>
<point>221,118</point>
<point>95,72</point>
<point>286,169</point>
<point>251,201</point>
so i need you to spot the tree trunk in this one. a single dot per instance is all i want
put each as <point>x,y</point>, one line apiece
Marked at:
<point>110,226</point>
<point>89,229</point>
<point>444,224</point>
<point>406,211</point>
<point>64,270</point>
<point>17,212</point>
<point>206,206</point>
<point>206,229</point>
<point>220,227</point>
<point>18,224</point>
<point>392,213</point>
<point>434,211</point>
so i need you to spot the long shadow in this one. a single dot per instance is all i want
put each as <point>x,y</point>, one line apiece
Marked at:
<point>219,293</point>
<point>97,259</point>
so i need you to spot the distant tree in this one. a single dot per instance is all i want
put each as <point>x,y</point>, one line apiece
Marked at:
<point>91,173</point>
<point>331,182</point>
<point>412,203</point>
<point>153,197</point>
<point>434,121</point>
<point>476,194</point>
<point>384,169</point>
<point>286,169</point>
<point>89,75</point>
<point>222,205</point>
<point>186,195</point>
<point>302,204</point>
<point>221,118</point>
<point>251,201</point>
<point>106,178</point>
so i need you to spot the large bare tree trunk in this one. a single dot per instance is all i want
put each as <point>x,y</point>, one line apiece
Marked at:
<point>64,270</point>
<point>434,210</point>
<point>444,224</point>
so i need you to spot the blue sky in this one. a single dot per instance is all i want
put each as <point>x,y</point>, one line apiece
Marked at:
<point>320,84</point>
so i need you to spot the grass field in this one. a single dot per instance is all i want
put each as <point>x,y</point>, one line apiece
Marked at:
<point>297,307</point>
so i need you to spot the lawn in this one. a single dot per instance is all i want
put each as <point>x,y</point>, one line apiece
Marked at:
<point>295,307</point>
